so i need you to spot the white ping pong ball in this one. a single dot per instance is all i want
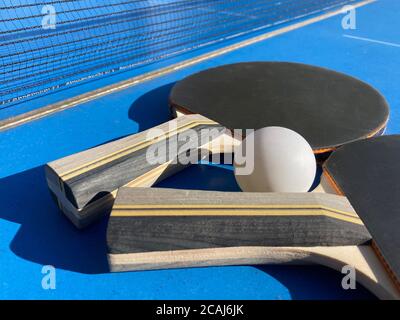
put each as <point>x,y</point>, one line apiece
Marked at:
<point>282,161</point>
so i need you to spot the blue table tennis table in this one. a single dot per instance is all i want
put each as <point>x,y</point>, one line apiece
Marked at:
<point>33,233</point>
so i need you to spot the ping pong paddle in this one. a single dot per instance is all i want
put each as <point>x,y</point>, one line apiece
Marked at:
<point>161,228</point>
<point>84,184</point>
<point>327,108</point>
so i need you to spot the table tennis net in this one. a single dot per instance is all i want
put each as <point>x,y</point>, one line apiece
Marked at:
<point>49,45</point>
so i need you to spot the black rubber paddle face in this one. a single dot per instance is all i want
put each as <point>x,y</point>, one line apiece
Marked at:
<point>368,173</point>
<point>327,108</point>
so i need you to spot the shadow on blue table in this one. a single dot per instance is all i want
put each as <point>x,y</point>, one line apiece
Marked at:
<point>45,235</point>
<point>154,103</point>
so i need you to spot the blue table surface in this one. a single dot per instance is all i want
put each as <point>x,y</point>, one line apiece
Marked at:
<point>33,233</point>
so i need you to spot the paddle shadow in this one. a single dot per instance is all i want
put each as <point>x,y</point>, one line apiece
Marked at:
<point>315,282</point>
<point>151,109</point>
<point>45,235</point>
<point>211,177</point>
